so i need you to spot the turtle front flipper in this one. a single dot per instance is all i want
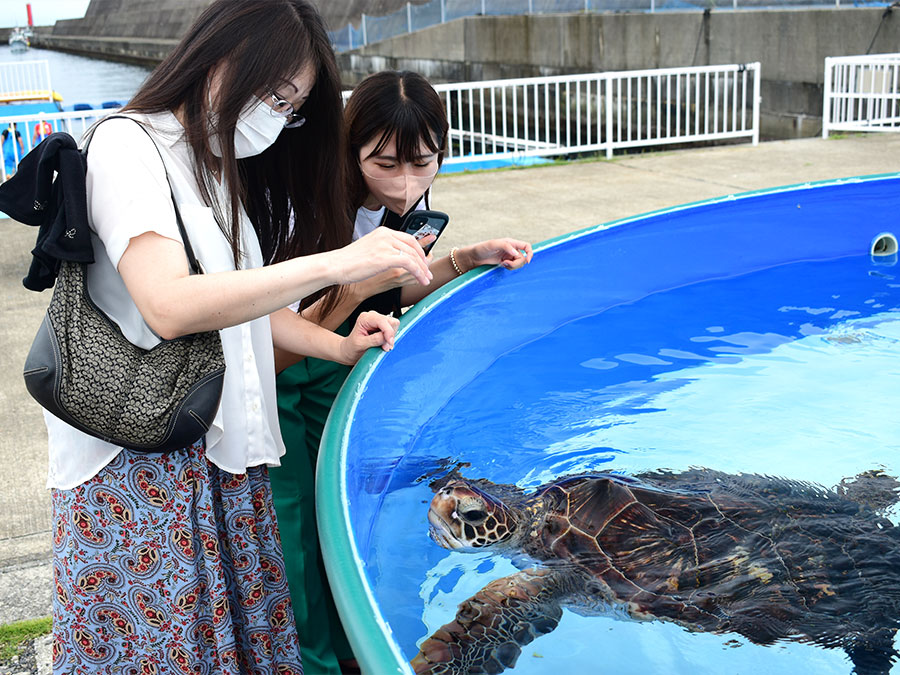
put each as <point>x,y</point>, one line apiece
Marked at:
<point>493,625</point>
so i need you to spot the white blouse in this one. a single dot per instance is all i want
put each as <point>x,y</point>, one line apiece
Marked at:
<point>128,195</point>
<point>366,221</point>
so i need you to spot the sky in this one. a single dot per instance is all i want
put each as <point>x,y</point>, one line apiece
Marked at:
<point>45,12</point>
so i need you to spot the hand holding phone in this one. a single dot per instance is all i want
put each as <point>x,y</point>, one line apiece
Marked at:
<point>422,223</point>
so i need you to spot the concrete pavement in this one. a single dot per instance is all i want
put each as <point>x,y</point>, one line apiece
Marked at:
<point>545,201</point>
<point>534,204</point>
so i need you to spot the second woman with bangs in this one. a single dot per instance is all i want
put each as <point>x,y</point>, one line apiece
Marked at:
<point>396,137</point>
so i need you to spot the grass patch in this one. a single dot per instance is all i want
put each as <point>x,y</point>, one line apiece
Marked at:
<point>841,135</point>
<point>12,635</point>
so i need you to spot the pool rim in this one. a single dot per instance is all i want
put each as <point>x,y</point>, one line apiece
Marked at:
<point>365,626</point>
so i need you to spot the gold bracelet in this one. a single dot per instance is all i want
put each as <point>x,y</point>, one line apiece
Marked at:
<point>453,261</point>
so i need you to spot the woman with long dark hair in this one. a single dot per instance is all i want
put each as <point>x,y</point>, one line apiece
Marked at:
<point>172,563</point>
<point>396,139</point>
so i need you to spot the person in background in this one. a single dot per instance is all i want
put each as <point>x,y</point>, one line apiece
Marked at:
<point>41,130</point>
<point>11,137</point>
<point>171,563</point>
<point>396,138</point>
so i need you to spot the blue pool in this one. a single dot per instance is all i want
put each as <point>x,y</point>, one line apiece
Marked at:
<point>754,334</point>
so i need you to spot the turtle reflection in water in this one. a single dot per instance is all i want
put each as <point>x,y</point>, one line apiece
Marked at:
<point>766,558</point>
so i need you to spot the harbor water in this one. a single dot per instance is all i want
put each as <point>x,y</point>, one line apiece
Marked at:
<point>79,79</point>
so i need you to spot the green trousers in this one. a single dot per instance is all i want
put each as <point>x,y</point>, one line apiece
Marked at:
<point>306,392</point>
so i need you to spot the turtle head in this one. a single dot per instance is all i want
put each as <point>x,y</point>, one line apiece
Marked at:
<point>464,517</point>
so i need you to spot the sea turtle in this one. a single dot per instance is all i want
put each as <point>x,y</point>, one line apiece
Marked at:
<point>766,558</point>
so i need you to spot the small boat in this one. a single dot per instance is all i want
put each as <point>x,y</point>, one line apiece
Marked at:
<point>18,40</point>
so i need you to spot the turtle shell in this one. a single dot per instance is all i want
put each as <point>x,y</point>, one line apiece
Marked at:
<point>764,557</point>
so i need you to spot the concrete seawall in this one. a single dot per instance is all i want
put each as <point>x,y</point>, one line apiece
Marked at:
<point>133,31</point>
<point>144,31</point>
<point>791,45</point>
<point>140,51</point>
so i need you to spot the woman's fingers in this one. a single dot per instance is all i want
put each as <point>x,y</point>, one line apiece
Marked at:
<point>520,249</point>
<point>516,258</point>
<point>370,330</point>
<point>378,329</point>
<point>402,250</point>
<point>514,263</point>
<point>379,251</point>
<point>511,253</point>
<point>525,247</point>
<point>413,258</point>
<point>409,241</point>
<point>426,241</point>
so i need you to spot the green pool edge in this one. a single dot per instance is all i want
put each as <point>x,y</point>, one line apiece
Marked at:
<point>363,623</point>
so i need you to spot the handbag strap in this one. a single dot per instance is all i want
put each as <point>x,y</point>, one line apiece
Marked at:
<point>188,249</point>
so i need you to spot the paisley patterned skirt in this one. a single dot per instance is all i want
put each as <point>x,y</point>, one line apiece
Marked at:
<point>167,564</point>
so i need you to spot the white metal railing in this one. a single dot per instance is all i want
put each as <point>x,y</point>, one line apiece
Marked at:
<point>25,80</point>
<point>415,16</point>
<point>600,112</point>
<point>547,116</point>
<point>74,123</point>
<point>862,93</point>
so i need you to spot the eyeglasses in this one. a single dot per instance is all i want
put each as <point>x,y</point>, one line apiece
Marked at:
<point>283,108</point>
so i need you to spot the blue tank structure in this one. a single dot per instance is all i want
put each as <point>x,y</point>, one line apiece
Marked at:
<point>434,355</point>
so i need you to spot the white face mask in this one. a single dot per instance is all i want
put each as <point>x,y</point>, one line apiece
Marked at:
<point>256,130</point>
<point>398,193</point>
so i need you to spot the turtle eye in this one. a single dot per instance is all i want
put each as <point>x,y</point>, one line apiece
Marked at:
<point>474,516</point>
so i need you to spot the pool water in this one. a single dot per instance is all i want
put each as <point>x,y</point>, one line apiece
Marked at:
<point>788,371</point>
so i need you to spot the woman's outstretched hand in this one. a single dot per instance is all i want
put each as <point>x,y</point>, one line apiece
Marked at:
<point>511,253</point>
<point>384,281</point>
<point>392,278</point>
<point>380,250</point>
<point>371,330</point>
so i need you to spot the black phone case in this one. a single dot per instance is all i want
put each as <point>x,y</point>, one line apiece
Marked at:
<point>416,220</point>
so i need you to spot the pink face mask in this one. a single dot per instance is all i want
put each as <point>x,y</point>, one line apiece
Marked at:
<point>398,193</point>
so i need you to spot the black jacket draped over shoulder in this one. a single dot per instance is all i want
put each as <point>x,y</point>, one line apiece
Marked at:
<point>48,191</point>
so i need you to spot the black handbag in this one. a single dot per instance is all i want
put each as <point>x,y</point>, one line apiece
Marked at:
<point>83,370</point>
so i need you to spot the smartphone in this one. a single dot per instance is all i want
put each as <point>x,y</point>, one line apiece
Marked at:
<point>422,223</point>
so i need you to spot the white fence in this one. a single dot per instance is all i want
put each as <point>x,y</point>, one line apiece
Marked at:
<point>29,82</point>
<point>74,123</point>
<point>25,80</point>
<point>601,112</point>
<point>862,93</point>
<point>565,115</point>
